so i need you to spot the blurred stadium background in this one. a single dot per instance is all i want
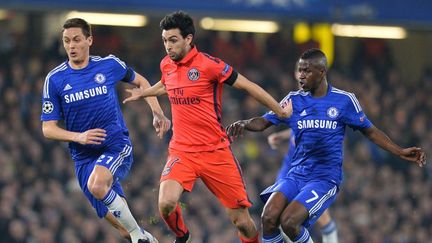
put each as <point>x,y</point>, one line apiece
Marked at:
<point>383,199</point>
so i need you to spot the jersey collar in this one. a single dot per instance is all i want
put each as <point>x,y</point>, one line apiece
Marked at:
<point>192,53</point>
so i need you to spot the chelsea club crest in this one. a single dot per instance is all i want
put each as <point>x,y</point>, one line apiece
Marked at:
<point>332,112</point>
<point>99,78</point>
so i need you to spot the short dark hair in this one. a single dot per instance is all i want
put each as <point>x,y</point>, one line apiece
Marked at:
<point>180,20</point>
<point>317,54</point>
<point>78,23</point>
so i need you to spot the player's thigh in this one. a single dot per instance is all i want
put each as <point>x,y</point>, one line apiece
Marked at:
<point>180,167</point>
<point>83,173</point>
<point>222,175</point>
<point>294,214</point>
<point>316,197</point>
<point>288,186</point>
<point>170,192</point>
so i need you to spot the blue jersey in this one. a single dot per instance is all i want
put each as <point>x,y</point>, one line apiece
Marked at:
<point>319,128</point>
<point>286,163</point>
<point>85,99</point>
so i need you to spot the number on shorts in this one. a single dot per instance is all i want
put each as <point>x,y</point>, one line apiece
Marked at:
<point>102,158</point>
<point>315,197</point>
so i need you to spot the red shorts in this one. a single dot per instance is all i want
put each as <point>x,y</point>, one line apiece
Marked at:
<point>218,169</point>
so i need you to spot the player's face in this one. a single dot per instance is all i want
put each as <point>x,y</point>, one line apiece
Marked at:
<point>77,46</point>
<point>308,75</point>
<point>175,45</point>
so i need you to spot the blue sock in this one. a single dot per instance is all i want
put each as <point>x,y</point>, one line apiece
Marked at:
<point>328,228</point>
<point>109,197</point>
<point>276,238</point>
<point>303,237</point>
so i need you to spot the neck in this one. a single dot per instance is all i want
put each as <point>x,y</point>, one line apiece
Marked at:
<point>321,90</point>
<point>80,64</point>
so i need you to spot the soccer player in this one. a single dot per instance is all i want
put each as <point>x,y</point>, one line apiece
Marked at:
<point>325,222</point>
<point>200,147</point>
<point>81,91</point>
<point>320,114</point>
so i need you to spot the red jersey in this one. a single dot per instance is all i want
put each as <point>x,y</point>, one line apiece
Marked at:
<point>194,87</point>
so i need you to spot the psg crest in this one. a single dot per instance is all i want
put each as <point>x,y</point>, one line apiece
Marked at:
<point>193,74</point>
<point>99,78</point>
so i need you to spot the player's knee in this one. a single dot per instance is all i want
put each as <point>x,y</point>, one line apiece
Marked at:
<point>290,227</point>
<point>98,190</point>
<point>244,224</point>
<point>269,221</point>
<point>166,206</point>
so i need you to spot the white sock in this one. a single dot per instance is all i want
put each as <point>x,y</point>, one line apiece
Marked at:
<point>329,233</point>
<point>310,240</point>
<point>330,238</point>
<point>121,212</point>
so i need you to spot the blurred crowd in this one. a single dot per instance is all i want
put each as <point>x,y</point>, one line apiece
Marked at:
<point>382,199</point>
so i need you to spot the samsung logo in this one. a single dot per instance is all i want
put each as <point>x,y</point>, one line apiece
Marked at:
<point>88,93</point>
<point>316,124</point>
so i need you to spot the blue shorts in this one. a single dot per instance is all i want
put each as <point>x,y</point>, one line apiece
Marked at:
<point>117,159</point>
<point>316,195</point>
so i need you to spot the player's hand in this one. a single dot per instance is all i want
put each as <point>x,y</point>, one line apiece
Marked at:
<point>414,154</point>
<point>287,109</point>
<point>161,124</point>
<point>274,140</point>
<point>92,136</point>
<point>236,129</point>
<point>135,94</point>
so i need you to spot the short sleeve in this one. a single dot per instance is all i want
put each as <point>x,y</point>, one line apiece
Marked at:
<point>354,116</point>
<point>220,71</point>
<point>121,71</point>
<point>273,118</point>
<point>51,105</point>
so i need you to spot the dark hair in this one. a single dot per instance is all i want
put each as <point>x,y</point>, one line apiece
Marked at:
<point>317,54</point>
<point>180,20</point>
<point>78,23</point>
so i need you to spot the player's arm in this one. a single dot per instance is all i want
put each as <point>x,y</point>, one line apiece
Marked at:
<point>262,96</point>
<point>141,93</point>
<point>378,137</point>
<point>52,130</point>
<point>276,138</point>
<point>256,124</point>
<point>143,84</point>
<point>160,122</point>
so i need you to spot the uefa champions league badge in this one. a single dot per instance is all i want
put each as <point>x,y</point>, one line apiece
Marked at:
<point>332,112</point>
<point>193,74</point>
<point>99,78</point>
<point>47,107</point>
<point>226,69</point>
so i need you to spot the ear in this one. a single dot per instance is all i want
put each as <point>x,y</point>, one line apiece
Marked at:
<point>323,72</point>
<point>90,40</point>
<point>189,39</point>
